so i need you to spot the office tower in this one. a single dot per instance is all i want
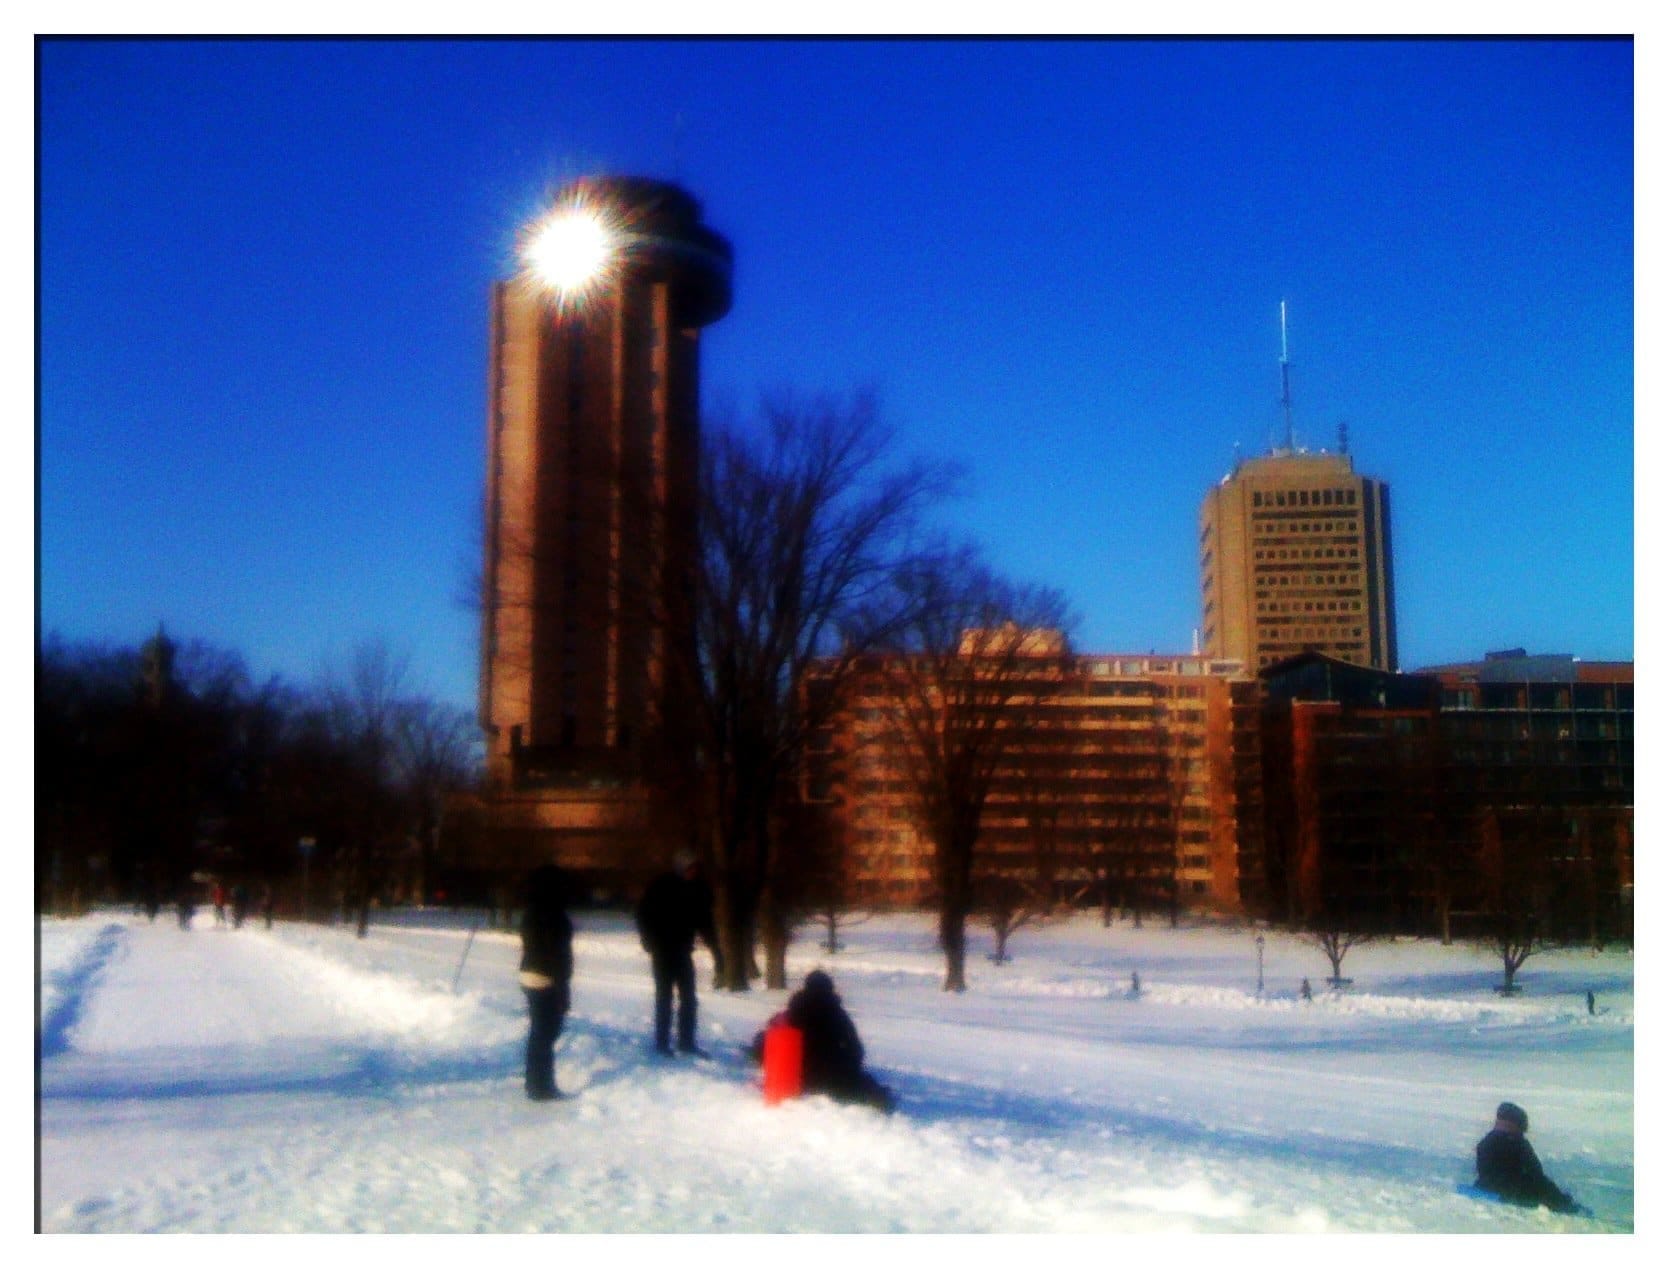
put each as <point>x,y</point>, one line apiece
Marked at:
<point>592,454</point>
<point>1294,556</point>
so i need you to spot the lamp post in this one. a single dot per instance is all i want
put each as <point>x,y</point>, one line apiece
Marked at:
<point>306,845</point>
<point>1259,964</point>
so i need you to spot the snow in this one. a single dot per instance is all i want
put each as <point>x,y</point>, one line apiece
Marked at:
<point>305,1080</point>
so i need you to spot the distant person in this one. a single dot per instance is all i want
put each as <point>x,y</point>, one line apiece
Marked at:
<point>266,903</point>
<point>186,905</point>
<point>674,910</point>
<point>546,971</point>
<point>1307,991</point>
<point>833,1052</point>
<point>1508,1168</point>
<point>240,904</point>
<point>219,903</point>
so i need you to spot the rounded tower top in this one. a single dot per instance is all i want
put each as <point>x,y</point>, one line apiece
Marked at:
<point>659,231</point>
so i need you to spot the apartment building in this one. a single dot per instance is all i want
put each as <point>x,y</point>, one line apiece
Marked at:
<point>1131,774</point>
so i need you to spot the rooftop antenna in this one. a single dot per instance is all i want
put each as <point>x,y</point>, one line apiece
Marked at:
<point>1343,436</point>
<point>1286,381</point>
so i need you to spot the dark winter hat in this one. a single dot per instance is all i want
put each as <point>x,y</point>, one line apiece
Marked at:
<point>1513,1114</point>
<point>819,983</point>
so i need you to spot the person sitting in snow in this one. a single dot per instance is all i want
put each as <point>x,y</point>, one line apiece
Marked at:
<point>1508,1168</point>
<point>833,1062</point>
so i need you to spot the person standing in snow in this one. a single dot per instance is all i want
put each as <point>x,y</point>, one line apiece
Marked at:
<point>674,910</point>
<point>1508,1168</point>
<point>833,1061</point>
<point>546,972</point>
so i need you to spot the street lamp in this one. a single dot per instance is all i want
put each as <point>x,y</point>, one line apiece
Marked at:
<point>306,845</point>
<point>1259,964</point>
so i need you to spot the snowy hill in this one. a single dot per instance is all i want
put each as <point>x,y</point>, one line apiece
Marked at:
<point>301,1079</point>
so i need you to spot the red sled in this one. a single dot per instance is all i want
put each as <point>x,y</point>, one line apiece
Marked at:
<point>784,1062</point>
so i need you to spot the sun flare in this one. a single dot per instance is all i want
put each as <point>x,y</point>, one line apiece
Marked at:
<point>569,251</point>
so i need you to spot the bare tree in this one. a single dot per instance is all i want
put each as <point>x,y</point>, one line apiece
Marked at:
<point>1334,937</point>
<point>363,701</point>
<point>1519,884</point>
<point>1009,902</point>
<point>805,523</point>
<point>959,688</point>
<point>436,757</point>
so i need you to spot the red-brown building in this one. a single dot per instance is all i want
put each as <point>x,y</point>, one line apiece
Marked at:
<point>1431,802</point>
<point>1138,772</point>
<point>592,451</point>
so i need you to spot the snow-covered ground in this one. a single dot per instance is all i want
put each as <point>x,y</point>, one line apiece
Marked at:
<point>301,1079</point>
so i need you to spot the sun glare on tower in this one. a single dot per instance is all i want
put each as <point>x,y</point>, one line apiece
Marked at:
<point>569,251</point>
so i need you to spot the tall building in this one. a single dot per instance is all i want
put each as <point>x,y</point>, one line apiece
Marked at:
<point>1294,556</point>
<point>592,451</point>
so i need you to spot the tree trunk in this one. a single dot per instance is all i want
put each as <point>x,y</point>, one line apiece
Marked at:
<point>735,942</point>
<point>773,929</point>
<point>952,933</point>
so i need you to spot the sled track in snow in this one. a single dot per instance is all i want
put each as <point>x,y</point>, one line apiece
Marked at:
<point>75,985</point>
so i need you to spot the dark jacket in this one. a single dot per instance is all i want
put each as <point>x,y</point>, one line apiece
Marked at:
<point>546,931</point>
<point>1507,1167</point>
<point>833,1053</point>
<point>673,911</point>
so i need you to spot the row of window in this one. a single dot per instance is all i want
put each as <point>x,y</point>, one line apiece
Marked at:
<point>1344,530</point>
<point>1305,497</point>
<point>1539,696</point>
<point>1311,552</point>
<point>1313,605</point>
<point>1343,582</point>
<point>1288,627</point>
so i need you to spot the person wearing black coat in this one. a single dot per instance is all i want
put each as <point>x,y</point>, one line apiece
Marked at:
<point>674,910</point>
<point>1508,1168</point>
<point>833,1060</point>
<point>546,972</point>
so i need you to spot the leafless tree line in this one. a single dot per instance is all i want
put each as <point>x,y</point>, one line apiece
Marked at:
<point>160,765</point>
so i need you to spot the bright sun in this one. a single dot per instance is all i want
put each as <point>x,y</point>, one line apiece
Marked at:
<point>568,250</point>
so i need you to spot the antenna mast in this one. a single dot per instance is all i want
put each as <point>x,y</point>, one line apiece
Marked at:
<point>1286,381</point>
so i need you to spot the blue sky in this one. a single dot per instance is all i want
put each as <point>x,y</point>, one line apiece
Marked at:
<point>263,272</point>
